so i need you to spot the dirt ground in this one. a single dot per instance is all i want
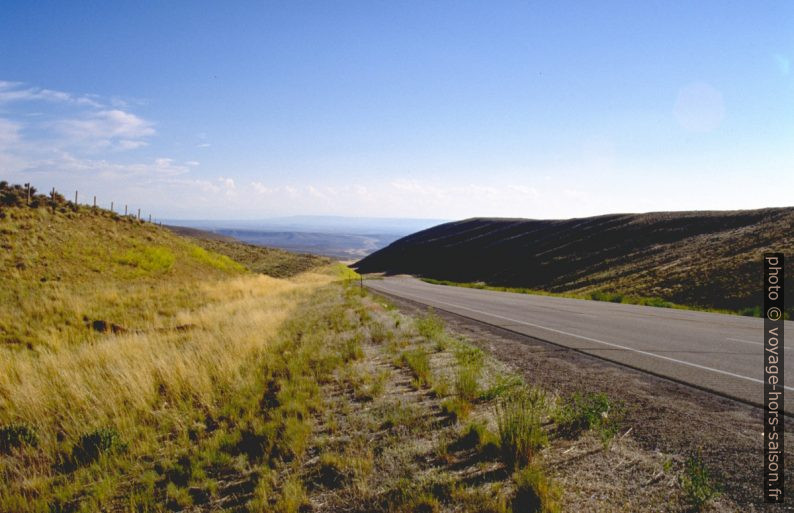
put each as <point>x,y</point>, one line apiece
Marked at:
<point>665,418</point>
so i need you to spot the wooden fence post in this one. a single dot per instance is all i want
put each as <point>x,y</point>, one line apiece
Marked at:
<point>125,210</point>
<point>139,214</point>
<point>111,206</point>
<point>75,198</point>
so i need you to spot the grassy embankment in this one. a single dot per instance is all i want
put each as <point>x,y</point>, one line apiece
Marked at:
<point>611,297</point>
<point>139,372</point>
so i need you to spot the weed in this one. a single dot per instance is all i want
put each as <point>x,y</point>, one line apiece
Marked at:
<point>456,408</point>
<point>292,498</point>
<point>418,363</point>
<point>476,435</point>
<point>467,382</point>
<point>590,411</point>
<point>351,349</point>
<point>535,491</point>
<point>518,417</point>
<point>696,482</point>
<point>430,326</point>
<point>501,386</point>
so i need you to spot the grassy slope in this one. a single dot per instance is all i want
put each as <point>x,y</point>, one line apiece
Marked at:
<point>702,259</point>
<point>231,391</point>
<point>271,261</point>
<point>63,270</point>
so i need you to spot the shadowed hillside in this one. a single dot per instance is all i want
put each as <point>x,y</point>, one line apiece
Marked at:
<point>705,259</point>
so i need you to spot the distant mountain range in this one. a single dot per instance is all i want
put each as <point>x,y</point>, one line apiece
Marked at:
<point>347,238</point>
<point>708,259</point>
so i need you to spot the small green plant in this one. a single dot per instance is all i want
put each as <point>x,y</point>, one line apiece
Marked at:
<point>17,435</point>
<point>589,411</point>
<point>419,364</point>
<point>535,491</point>
<point>696,482</point>
<point>502,386</point>
<point>518,417</point>
<point>430,326</point>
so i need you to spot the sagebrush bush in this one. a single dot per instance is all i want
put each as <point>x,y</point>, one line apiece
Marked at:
<point>17,435</point>
<point>92,445</point>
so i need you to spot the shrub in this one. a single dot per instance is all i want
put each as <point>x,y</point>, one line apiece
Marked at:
<point>16,435</point>
<point>92,445</point>
<point>696,482</point>
<point>535,491</point>
<point>519,417</point>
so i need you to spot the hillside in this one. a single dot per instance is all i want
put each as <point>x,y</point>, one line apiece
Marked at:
<point>140,372</point>
<point>274,262</point>
<point>703,259</point>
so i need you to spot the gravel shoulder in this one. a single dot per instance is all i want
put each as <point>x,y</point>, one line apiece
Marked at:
<point>664,416</point>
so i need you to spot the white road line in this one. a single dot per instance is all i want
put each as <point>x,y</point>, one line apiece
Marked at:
<point>646,353</point>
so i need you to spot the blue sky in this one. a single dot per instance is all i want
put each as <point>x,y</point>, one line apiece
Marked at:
<point>244,110</point>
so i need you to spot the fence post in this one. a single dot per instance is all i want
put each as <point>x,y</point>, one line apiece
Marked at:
<point>27,186</point>
<point>111,206</point>
<point>150,218</point>
<point>139,214</point>
<point>75,198</point>
<point>125,210</point>
<point>94,201</point>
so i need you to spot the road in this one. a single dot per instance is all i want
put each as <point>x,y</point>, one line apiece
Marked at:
<point>716,352</point>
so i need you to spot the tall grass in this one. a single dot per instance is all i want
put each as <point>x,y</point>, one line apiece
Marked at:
<point>519,417</point>
<point>141,386</point>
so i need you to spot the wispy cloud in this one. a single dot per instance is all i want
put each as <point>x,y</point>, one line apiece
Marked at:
<point>21,92</point>
<point>106,129</point>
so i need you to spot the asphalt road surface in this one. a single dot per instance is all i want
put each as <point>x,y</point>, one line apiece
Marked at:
<point>716,352</point>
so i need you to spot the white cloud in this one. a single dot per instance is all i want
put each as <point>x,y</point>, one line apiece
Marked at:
<point>20,92</point>
<point>106,129</point>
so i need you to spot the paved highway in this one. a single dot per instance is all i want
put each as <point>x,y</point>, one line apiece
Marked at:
<point>721,353</point>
